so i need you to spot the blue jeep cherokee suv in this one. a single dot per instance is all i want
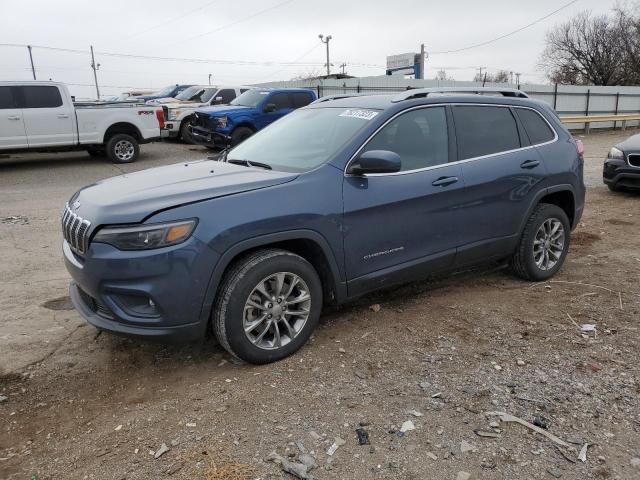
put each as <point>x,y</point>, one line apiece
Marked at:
<point>225,125</point>
<point>335,200</point>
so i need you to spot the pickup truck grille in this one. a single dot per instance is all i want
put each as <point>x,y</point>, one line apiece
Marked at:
<point>200,121</point>
<point>74,230</point>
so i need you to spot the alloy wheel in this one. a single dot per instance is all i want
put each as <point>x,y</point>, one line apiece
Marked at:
<point>548,244</point>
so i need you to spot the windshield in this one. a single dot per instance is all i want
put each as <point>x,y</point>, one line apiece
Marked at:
<point>165,92</point>
<point>250,98</point>
<point>196,94</point>
<point>304,139</point>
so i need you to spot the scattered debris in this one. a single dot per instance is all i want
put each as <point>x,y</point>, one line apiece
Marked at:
<point>486,433</point>
<point>497,367</point>
<point>118,428</point>
<point>463,476</point>
<point>363,436</point>
<point>521,362</point>
<point>415,413</point>
<point>540,421</point>
<point>466,447</point>
<point>432,456</point>
<point>308,461</point>
<point>407,426</point>
<point>588,327</point>
<point>582,456</point>
<point>3,398</point>
<point>337,442</point>
<point>161,451</point>
<point>554,472</point>
<point>595,367</point>
<point>505,417</point>
<point>375,307</point>
<point>15,220</point>
<point>298,470</point>
<point>191,425</point>
<point>635,462</point>
<point>436,395</point>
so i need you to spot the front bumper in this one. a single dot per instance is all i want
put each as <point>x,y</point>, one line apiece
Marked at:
<point>619,173</point>
<point>113,289</point>
<point>209,138</point>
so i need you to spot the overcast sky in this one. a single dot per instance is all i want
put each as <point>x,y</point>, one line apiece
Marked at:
<point>364,32</point>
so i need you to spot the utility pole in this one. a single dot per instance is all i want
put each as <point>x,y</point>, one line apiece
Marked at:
<point>511,77</point>
<point>209,79</point>
<point>33,69</point>
<point>421,63</point>
<point>326,40</point>
<point>343,66</point>
<point>480,72</point>
<point>518,79</point>
<point>95,68</point>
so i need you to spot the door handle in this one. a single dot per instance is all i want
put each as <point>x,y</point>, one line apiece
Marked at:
<point>444,181</point>
<point>530,164</point>
<point>13,117</point>
<point>63,115</point>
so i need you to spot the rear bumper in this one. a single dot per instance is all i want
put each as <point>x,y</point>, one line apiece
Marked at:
<point>618,173</point>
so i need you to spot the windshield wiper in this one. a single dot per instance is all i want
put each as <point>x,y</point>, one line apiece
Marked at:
<point>236,161</point>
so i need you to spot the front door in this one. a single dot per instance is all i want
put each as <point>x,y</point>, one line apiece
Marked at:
<point>279,105</point>
<point>400,226</point>
<point>48,121</point>
<point>12,132</point>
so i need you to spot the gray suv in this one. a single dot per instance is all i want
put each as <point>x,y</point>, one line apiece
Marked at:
<point>337,199</point>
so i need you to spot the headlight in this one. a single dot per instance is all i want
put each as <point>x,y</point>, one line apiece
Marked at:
<point>146,237</point>
<point>616,153</point>
<point>173,114</point>
<point>222,122</point>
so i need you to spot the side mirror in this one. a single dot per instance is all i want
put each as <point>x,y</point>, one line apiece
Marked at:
<point>217,100</point>
<point>269,107</point>
<point>375,161</point>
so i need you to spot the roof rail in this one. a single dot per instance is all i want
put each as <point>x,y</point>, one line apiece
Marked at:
<point>425,92</point>
<point>338,96</point>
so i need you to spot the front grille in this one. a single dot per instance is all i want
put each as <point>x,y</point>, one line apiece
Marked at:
<point>74,230</point>
<point>634,159</point>
<point>95,305</point>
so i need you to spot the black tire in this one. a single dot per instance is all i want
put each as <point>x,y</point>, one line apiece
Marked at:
<point>523,262</point>
<point>185,134</point>
<point>240,134</point>
<point>122,148</point>
<point>96,151</point>
<point>238,284</point>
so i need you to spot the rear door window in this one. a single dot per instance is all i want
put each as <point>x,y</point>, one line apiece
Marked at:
<point>420,137</point>
<point>281,101</point>
<point>41,96</point>
<point>484,130</point>
<point>6,98</point>
<point>227,95</point>
<point>301,99</point>
<point>536,127</point>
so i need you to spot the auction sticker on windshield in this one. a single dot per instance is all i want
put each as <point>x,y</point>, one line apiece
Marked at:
<point>357,113</point>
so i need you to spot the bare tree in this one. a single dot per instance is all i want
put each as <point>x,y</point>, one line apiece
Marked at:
<point>594,50</point>
<point>441,75</point>
<point>312,74</point>
<point>501,76</point>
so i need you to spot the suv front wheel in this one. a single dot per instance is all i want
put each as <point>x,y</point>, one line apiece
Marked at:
<point>268,305</point>
<point>544,244</point>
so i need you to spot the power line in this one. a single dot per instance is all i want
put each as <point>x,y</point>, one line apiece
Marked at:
<point>469,47</point>
<point>174,19</point>
<point>235,22</point>
<point>308,52</point>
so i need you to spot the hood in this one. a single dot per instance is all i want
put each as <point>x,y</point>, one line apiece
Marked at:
<point>630,145</point>
<point>184,104</point>
<point>164,100</point>
<point>132,197</point>
<point>222,110</point>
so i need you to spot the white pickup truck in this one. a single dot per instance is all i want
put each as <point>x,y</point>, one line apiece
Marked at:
<point>42,117</point>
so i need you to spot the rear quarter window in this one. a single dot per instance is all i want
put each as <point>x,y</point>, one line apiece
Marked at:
<point>41,96</point>
<point>536,127</point>
<point>6,98</point>
<point>301,99</point>
<point>484,130</point>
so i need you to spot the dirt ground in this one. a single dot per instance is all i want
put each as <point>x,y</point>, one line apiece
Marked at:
<point>442,354</point>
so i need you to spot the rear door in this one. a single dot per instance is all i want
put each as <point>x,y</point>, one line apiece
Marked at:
<point>12,131</point>
<point>47,120</point>
<point>400,226</point>
<point>502,174</point>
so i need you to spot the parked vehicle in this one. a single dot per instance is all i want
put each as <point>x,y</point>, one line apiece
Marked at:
<point>333,201</point>
<point>622,166</point>
<point>220,126</point>
<point>168,91</point>
<point>41,117</point>
<point>179,110</point>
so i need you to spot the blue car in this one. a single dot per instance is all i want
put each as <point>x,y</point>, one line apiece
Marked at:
<point>224,125</point>
<point>167,92</point>
<point>337,199</point>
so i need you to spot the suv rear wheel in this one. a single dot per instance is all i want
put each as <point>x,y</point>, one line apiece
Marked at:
<point>268,305</point>
<point>122,148</point>
<point>544,244</point>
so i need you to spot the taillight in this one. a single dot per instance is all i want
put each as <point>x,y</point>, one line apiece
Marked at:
<point>160,117</point>
<point>580,147</point>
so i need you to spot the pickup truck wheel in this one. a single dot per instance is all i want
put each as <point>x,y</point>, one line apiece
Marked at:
<point>240,134</point>
<point>268,305</point>
<point>544,244</point>
<point>185,134</point>
<point>122,148</point>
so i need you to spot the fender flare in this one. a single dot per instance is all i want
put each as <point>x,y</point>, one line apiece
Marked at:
<point>565,187</point>
<point>226,258</point>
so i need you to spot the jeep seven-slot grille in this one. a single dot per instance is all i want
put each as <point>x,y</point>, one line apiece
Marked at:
<point>74,230</point>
